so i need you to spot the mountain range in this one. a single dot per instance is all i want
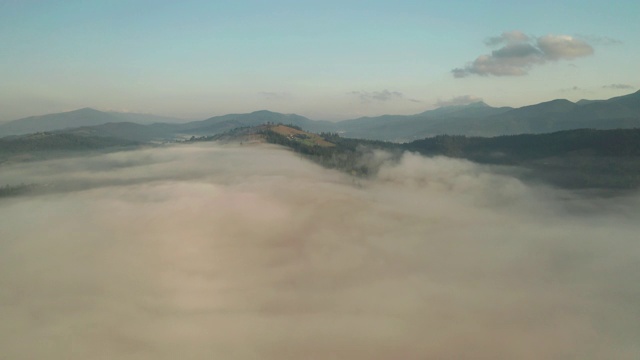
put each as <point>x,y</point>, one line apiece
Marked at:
<point>476,119</point>
<point>76,118</point>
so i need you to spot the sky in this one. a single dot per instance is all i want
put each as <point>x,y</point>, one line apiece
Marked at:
<point>328,59</point>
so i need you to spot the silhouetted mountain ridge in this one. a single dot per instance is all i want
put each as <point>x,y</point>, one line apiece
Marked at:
<point>77,118</point>
<point>475,119</point>
<point>218,124</point>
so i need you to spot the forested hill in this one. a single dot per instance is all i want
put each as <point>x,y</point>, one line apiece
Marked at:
<point>583,158</point>
<point>47,144</point>
<point>621,143</point>
<point>586,158</point>
<point>58,141</point>
<point>328,149</point>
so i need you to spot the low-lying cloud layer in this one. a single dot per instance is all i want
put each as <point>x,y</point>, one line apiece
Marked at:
<point>207,252</point>
<point>519,52</point>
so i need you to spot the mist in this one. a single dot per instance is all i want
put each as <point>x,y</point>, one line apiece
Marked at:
<point>251,252</point>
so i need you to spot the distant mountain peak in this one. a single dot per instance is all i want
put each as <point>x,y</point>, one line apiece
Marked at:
<point>477,104</point>
<point>470,108</point>
<point>586,101</point>
<point>269,112</point>
<point>83,117</point>
<point>551,105</point>
<point>83,110</point>
<point>557,101</point>
<point>263,111</point>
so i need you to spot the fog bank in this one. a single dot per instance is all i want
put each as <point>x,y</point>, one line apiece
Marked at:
<point>210,252</point>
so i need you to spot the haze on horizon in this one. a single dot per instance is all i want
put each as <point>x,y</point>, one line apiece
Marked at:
<point>324,60</point>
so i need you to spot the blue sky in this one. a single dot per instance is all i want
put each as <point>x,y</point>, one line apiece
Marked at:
<point>322,59</point>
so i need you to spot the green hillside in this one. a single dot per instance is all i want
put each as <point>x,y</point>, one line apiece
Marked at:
<point>44,145</point>
<point>576,159</point>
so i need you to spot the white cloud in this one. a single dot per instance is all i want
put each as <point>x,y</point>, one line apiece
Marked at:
<point>244,252</point>
<point>507,37</point>
<point>519,53</point>
<point>563,47</point>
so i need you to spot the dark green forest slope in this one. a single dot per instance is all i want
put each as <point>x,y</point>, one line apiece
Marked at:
<point>45,144</point>
<point>578,159</point>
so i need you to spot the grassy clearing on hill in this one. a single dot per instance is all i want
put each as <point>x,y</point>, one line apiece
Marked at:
<point>304,137</point>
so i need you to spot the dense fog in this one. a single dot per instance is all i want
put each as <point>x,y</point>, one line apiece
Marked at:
<point>251,252</point>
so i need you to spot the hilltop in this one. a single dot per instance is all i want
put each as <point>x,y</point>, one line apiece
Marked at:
<point>267,133</point>
<point>574,159</point>
<point>579,159</point>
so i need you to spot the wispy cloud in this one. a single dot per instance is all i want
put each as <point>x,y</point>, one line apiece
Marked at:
<point>520,52</point>
<point>379,96</point>
<point>458,100</point>
<point>619,87</point>
<point>576,90</point>
<point>507,37</point>
<point>571,89</point>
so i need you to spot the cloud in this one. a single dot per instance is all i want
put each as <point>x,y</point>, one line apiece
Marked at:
<point>458,100</point>
<point>576,89</point>
<point>572,89</point>
<point>244,252</point>
<point>519,53</point>
<point>563,47</point>
<point>377,96</point>
<point>619,87</point>
<point>507,38</point>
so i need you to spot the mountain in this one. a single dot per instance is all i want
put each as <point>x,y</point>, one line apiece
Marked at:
<point>50,122</point>
<point>479,119</point>
<point>46,145</point>
<point>476,119</point>
<point>630,100</point>
<point>401,128</point>
<point>72,119</point>
<point>578,159</point>
<point>557,115</point>
<point>475,109</point>
<point>145,119</point>
<point>220,124</point>
<point>161,131</point>
<point>126,131</point>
